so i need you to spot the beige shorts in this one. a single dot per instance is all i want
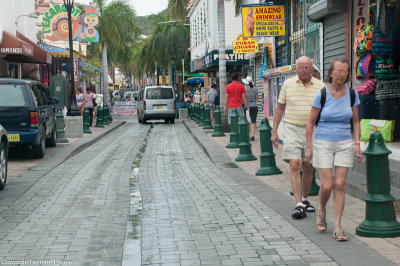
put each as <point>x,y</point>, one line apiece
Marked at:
<point>294,142</point>
<point>327,154</point>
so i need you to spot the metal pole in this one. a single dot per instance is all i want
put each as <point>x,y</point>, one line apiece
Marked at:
<point>73,108</point>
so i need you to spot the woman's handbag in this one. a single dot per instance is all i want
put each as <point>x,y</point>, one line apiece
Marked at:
<point>387,89</point>
<point>385,69</point>
<point>369,126</point>
<point>365,34</point>
<point>367,87</point>
<point>384,44</point>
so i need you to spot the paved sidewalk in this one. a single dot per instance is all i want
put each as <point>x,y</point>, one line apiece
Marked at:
<point>25,174</point>
<point>354,212</point>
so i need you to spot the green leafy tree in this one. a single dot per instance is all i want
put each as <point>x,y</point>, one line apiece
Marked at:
<point>118,32</point>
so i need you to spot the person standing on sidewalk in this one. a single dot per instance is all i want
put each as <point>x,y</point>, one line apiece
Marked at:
<point>252,98</point>
<point>333,140</point>
<point>90,97</point>
<point>295,100</point>
<point>235,94</point>
<point>211,95</point>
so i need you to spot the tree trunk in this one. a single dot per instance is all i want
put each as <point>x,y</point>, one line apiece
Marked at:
<point>222,62</point>
<point>170,72</point>
<point>164,76</point>
<point>104,65</point>
<point>221,48</point>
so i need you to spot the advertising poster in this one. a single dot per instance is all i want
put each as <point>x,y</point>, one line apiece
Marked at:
<point>263,21</point>
<point>55,24</point>
<point>244,45</point>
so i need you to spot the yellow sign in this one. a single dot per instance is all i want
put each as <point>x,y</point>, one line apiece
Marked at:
<point>263,21</point>
<point>243,46</point>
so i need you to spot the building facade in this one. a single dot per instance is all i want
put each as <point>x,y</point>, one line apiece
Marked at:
<point>20,56</point>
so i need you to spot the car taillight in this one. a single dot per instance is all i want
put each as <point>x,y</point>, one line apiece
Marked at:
<point>175,105</point>
<point>34,119</point>
<point>144,105</point>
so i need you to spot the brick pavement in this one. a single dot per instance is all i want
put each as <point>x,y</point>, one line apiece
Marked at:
<point>193,213</point>
<point>78,211</point>
<point>354,212</point>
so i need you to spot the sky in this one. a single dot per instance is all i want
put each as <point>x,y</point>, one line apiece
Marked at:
<point>141,7</point>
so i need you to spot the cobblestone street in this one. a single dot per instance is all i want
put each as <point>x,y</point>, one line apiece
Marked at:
<point>151,195</point>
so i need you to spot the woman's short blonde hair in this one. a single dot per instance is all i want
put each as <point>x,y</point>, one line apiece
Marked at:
<point>328,77</point>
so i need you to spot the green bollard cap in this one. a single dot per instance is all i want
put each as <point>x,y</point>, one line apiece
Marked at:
<point>377,145</point>
<point>264,125</point>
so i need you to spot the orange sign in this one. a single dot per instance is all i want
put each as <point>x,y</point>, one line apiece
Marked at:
<point>245,45</point>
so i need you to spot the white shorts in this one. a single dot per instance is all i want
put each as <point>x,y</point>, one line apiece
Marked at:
<point>239,110</point>
<point>327,154</point>
<point>294,142</point>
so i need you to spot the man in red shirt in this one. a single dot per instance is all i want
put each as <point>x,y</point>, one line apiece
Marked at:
<point>237,94</point>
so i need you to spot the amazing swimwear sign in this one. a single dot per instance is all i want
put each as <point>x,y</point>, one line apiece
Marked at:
<point>263,21</point>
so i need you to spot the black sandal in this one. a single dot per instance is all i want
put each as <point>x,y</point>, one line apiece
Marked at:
<point>299,212</point>
<point>309,207</point>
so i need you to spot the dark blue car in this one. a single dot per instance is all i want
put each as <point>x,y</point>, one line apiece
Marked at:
<point>28,115</point>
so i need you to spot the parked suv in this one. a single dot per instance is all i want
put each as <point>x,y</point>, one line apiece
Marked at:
<point>156,102</point>
<point>27,115</point>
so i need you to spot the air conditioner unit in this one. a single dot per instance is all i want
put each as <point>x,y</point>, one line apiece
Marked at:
<point>323,8</point>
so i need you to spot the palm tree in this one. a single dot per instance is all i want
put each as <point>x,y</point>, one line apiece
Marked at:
<point>118,30</point>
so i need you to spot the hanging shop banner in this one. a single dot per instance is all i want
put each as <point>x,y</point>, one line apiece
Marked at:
<point>244,45</point>
<point>76,73</point>
<point>55,24</point>
<point>262,21</point>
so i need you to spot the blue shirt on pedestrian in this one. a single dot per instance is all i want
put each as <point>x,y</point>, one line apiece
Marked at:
<point>334,123</point>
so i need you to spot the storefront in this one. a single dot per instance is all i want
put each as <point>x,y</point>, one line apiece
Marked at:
<point>22,58</point>
<point>275,79</point>
<point>210,63</point>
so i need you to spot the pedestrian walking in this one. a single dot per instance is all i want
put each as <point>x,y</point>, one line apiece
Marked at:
<point>295,100</point>
<point>211,95</point>
<point>90,97</point>
<point>45,84</point>
<point>197,97</point>
<point>235,95</point>
<point>80,99</point>
<point>252,98</point>
<point>337,108</point>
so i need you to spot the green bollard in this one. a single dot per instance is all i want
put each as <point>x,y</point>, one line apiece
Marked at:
<point>196,112</point>
<point>105,115</point>
<point>380,217</point>
<point>86,128</point>
<point>201,120</point>
<point>234,135</point>
<point>207,120</point>
<point>245,153</point>
<point>217,126</point>
<point>267,155</point>
<point>60,129</point>
<point>99,121</point>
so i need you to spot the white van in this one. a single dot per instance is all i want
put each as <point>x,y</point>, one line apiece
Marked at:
<point>157,102</point>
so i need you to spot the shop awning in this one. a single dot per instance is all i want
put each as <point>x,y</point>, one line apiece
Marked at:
<point>14,46</point>
<point>40,56</point>
<point>84,65</point>
<point>56,51</point>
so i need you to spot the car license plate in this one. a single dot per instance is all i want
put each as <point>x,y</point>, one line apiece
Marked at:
<point>13,137</point>
<point>160,107</point>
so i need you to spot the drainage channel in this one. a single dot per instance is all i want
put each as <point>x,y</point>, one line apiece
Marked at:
<point>132,251</point>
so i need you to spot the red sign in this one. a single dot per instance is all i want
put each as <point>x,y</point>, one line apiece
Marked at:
<point>76,77</point>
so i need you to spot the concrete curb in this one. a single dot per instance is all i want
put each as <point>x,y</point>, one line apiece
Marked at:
<point>353,252</point>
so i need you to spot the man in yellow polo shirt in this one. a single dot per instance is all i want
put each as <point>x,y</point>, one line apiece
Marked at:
<point>295,99</point>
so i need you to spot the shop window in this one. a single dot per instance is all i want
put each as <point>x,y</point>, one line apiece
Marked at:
<point>13,71</point>
<point>282,48</point>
